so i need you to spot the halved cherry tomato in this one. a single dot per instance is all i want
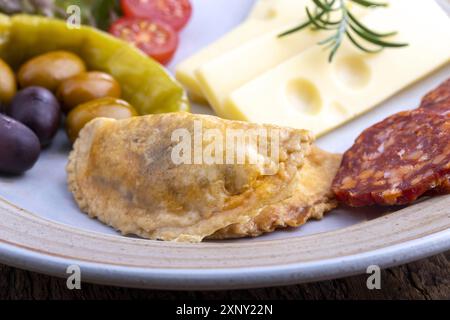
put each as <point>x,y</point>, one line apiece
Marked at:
<point>173,12</point>
<point>155,38</point>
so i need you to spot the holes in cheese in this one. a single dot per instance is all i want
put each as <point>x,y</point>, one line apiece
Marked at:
<point>356,81</point>
<point>352,72</point>
<point>267,16</point>
<point>226,73</point>
<point>219,77</point>
<point>263,9</point>
<point>303,96</point>
<point>270,14</point>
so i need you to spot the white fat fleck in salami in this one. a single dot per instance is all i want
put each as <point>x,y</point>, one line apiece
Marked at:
<point>397,160</point>
<point>438,100</point>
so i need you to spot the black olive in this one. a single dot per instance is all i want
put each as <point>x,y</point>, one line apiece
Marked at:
<point>19,146</point>
<point>38,109</point>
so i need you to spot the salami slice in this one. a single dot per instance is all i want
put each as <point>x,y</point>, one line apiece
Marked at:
<point>396,161</point>
<point>438,100</point>
<point>442,188</point>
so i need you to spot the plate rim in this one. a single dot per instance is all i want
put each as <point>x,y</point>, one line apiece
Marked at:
<point>231,278</point>
<point>227,277</point>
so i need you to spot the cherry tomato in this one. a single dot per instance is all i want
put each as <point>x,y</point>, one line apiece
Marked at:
<point>155,38</point>
<point>173,12</point>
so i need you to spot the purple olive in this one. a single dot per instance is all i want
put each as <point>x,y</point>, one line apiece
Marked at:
<point>19,146</point>
<point>38,109</point>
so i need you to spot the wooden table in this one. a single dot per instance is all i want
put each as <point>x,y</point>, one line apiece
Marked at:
<point>426,279</point>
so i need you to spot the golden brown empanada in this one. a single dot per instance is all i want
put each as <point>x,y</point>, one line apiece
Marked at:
<point>311,199</point>
<point>123,173</point>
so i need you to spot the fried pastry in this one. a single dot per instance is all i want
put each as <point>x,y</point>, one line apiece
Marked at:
<point>124,174</point>
<point>311,199</point>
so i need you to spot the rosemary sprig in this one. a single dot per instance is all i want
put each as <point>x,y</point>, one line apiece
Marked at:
<point>346,26</point>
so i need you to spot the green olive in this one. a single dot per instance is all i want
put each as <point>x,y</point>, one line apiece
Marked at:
<point>50,69</point>
<point>8,86</point>
<point>104,107</point>
<point>85,87</point>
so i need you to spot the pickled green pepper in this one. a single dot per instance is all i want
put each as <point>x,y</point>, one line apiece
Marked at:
<point>145,84</point>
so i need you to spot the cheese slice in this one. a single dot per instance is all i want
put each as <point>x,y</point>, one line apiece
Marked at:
<point>267,16</point>
<point>309,92</point>
<point>221,76</point>
<point>226,73</point>
<point>265,9</point>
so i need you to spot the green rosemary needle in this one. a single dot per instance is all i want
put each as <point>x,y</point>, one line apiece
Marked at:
<point>346,26</point>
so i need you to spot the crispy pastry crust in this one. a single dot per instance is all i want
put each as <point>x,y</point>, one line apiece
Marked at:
<point>120,173</point>
<point>311,199</point>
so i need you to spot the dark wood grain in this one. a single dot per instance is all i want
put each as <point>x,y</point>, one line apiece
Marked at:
<point>425,279</point>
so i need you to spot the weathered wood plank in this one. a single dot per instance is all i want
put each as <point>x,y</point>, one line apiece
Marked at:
<point>425,279</point>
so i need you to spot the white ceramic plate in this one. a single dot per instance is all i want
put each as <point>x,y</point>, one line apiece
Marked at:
<point>41,228</point>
